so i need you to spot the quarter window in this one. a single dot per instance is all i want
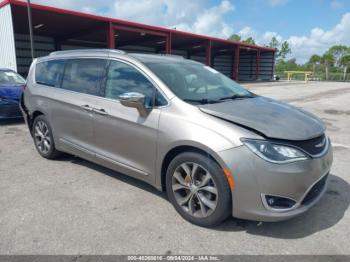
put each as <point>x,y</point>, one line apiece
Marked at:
<point>49,73</point>
<point>84,75</point>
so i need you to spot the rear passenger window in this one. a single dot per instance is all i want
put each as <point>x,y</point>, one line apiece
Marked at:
<point>49,73</point>
<point>84,75</point>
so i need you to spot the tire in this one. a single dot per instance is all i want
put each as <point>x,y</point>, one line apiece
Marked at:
<point>200,208</point>
<point>43,138</point>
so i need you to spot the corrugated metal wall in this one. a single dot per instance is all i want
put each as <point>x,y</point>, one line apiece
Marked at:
<point>266,65</point>
<point>73,47</point>
<point>223,64</point>
<point>247,65</point>
<point>42,47</point>
<point>182,53</point>
<point>7,42</point>
<point>138,49</point>
<point>199,57</point>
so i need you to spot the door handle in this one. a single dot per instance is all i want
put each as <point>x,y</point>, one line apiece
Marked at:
<point>86,107</point>
<point>100,111</point>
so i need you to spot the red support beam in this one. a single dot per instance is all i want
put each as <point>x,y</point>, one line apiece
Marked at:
<point>168,44</point>
<point>3,3</point>
<point>208,53</point>
<point>110,36</point>
<point>235,70</point>
<point>257,64</point>
<point>140,30</point>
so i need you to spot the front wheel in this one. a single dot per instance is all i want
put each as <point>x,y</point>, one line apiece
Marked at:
<point>198,189</point>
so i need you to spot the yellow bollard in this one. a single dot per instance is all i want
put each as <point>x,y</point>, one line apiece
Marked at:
<point>305,73</point>
<point>307,77</point>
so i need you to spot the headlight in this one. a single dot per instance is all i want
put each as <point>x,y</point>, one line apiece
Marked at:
<point>274,153</point>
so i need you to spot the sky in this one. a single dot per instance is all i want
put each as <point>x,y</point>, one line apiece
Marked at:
<point>310,26</point>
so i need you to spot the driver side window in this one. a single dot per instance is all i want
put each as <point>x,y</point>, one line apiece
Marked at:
<point>122,78</point>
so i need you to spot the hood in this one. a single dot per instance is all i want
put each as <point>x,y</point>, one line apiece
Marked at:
<point>10,93</point>
<point>272,118</point>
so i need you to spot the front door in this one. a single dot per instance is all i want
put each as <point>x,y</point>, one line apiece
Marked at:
<point>125,140</point>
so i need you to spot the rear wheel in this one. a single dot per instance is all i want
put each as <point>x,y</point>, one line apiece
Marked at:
<point>198,189</point>
<point>43,139</point>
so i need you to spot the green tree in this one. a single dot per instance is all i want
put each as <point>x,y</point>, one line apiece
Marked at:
<point>249,40</point>
<point>338,51</point>
<point>314,59</point>
<point>284,50</point>
<point>327,60</point>
<point>274,43</point>
<point>287,65</point>
<point>235,37</point>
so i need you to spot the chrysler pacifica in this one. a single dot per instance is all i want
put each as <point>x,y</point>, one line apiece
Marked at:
<point>216,148</point>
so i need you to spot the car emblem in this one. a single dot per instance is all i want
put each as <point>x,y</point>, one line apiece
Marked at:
<point>322,143</point>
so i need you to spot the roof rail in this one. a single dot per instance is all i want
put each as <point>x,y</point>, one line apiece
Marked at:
<point>171,55</point>
<point>103,50</point>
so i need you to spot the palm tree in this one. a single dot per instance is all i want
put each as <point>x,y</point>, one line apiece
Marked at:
<point>345,62</point>
<point>327,60</point>
<point>314,59</point>
<point>338,51</point>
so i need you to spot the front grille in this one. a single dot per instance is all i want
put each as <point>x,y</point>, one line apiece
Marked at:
<point>10,111</point>
<point>313,147</point>
<point>315,191</point>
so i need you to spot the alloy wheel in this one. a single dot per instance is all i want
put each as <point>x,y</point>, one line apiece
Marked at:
<point>194,189</point>
<point>42,137</point>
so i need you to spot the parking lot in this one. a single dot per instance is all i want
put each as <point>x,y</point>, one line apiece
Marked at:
<point>71,206</point>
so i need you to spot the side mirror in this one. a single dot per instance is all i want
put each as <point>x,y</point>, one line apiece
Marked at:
<point>136,100</point>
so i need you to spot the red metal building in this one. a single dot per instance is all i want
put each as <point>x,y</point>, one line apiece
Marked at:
<point>59,29</point>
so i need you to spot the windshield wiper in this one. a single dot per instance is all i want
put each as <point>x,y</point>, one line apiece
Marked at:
<point>202,101</point>
<point>236,97</point>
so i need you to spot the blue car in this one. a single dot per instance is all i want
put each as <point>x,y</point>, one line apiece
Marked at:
<point>11,87</point>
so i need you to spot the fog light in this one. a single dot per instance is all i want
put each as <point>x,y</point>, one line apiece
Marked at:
<point>278,202</point>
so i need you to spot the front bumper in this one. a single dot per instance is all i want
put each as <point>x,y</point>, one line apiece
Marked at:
<point>303,181</point>
<point>10,111</point>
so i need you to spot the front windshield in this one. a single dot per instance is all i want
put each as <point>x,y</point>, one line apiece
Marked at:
<point>11,78</point>
<point>196,83</point>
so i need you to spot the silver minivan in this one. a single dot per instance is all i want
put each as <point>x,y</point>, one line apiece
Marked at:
<point>214,147</point>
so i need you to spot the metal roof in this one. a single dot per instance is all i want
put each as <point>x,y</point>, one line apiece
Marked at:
<point>155,29</point>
